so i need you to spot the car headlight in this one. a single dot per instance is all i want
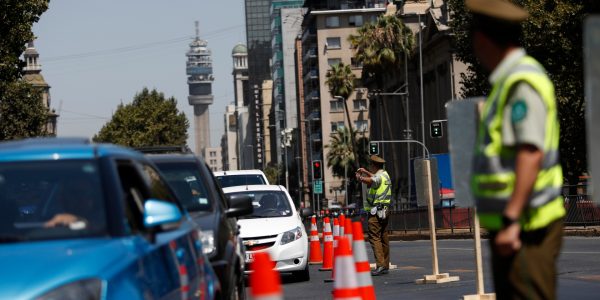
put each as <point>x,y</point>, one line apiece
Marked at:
<point>82,289</point>
<point>207,237</point>
<point>292,235</point>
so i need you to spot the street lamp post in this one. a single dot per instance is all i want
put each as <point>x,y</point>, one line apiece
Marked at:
<point>421,78</point>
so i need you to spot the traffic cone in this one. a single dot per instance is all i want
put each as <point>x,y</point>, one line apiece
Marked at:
<point>336,232</point>
<point>327,247</point>
<point>342,224</point>
<point>315,246</point>
<point>348,231</point>
<point>265,282</point>
<point>363,269</point>
<point>345,285</point>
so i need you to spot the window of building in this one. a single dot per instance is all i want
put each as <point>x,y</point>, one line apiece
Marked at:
<point>333,21</point>
<point>360,104</point>
<point>213,153</point>
<point>336,105</point>
<point>336,125</point>
<point>355,20</point>
<point>334,43</point>
<point>355,63</point>
<point>334,61</point>
<point>361,125</point>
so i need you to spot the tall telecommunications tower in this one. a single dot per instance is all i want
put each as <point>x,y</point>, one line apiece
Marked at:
<point>200,78</point>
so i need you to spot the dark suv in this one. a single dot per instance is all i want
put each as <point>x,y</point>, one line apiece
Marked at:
<point>201,195</point>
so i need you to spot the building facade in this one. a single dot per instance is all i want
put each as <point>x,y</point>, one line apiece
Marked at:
<point>212,156</point>
<point>258,41</point>
<point>325,43</point>
<point>33,75</point>
<point>229,139</point>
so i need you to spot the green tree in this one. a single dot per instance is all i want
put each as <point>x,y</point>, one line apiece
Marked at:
<point>22,113</point>
<point>558,49</point>
<point>340,80</point>
<point>17,18</point>
<point>21,110</point>
<point>382,47</point>
<point>150,120</point>
<point>272,172</point>
<point>340,156</point>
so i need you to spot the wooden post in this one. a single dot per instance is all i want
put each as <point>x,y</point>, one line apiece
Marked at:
<point>436,277</point>
<point>481,295</point>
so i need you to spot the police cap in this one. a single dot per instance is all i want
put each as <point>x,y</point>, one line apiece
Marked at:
<point>377,159</point>
<point>498,9</point>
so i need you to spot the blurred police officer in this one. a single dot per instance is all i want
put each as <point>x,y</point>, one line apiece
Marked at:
<point>377,206</point>
<point>517,177</point>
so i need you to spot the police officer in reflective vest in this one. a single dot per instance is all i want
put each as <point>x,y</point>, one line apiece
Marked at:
<point>517,177</point>
<point>377,206</point>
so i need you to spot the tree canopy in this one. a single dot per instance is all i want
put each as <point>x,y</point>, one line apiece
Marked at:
<point>382,46</point>
<point>22,113</point>
<point>150,120</point>
<point>553,35</point>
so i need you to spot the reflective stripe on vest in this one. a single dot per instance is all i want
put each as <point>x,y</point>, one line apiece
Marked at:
<point>494,166</point>
<point>381,195</point>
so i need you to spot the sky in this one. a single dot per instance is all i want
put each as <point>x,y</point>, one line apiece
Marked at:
<point>97,54</point>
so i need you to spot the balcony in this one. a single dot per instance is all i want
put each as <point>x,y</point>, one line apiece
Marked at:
<point>309,54</point>
<point>313,74</point>
<point>313,95</point>
<point>310,33</point>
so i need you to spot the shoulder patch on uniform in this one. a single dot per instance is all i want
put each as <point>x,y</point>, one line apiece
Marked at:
<point>518,111</point>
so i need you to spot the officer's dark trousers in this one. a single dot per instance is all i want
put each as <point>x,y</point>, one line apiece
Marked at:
<point>531,272</point>
<point>378,237</point>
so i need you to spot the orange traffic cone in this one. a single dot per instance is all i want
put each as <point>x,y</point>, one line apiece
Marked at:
<point>265,282</point>
<point>315,246</point>
<point>336,232</point>
<point>345,285</point>
<point>363,270</point>
<point>348,231</point>
<point>342,224</point>
<point>327,247</point>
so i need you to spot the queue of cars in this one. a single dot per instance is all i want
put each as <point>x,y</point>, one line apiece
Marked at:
<point>80,220</point>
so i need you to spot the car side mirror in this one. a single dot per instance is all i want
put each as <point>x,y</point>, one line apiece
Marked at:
<point>159,212</point>
<point>239,205</point>
<point>306,212</point>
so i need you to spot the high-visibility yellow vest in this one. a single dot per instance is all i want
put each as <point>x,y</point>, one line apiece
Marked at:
<point>493,178</point>
<point>380,195</point>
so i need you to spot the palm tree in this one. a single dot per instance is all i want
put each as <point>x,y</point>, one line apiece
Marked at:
<point>340,80</point>
<point>340,155</point>
<point>382,44</point>
<point>383,47</point>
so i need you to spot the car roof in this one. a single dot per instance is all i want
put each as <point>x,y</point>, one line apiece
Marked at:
<point>59,148</point>
<point>238,172</point>
<point>257,187</point>
<point>172,157</point>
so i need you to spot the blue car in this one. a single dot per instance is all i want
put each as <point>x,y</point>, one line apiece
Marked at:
<point>94,221</point>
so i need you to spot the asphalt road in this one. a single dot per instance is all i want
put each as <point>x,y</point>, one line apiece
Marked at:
<point>579,272</point>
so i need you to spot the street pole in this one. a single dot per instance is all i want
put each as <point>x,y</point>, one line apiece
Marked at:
<point>421,79</point>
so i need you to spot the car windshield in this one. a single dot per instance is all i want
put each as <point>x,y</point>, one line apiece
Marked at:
<point>186,182</point>
<point>268,204</point>
<point>236,180</point>
<point>50,200</point>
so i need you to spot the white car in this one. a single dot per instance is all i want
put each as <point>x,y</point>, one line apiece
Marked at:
<point>241,177</point>
<point>274,227</point>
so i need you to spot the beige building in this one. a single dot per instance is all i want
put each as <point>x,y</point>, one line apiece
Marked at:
<point>325,43</point>
<point>212,156</point>
<point>33,76</point>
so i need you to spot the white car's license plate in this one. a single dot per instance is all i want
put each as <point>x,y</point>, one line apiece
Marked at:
<point>249,257</point>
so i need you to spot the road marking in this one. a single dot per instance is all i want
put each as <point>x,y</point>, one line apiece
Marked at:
<point>580,252</point>
<point>590,277</point>
<point>406,268</point>
<point>460,249</point>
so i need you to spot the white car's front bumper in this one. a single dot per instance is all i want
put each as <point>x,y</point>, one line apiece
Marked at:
<point>292,256</point>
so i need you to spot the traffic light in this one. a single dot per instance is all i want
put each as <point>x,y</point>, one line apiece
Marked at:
<point>435,129</point>
<point>373,148</point>
<point>317,169</point>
